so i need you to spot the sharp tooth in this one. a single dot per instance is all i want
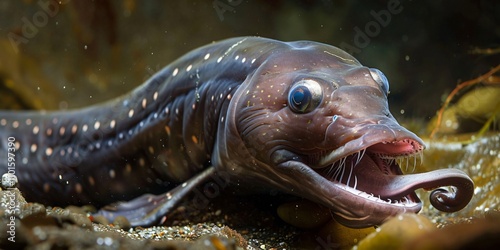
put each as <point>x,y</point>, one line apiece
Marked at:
<point>421,156</point>
<point>350,174</point>
<point>342,175</point>
<point>360,155</point>
<point>390,161</point>
<point>342,162</point>
<point>338,170</point>
<point>414,163</point>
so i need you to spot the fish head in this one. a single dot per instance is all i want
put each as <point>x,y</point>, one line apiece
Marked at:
<point>313,122</point>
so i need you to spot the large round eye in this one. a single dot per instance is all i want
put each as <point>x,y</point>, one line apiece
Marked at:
<point>380,78</point>
<point>304,96</point>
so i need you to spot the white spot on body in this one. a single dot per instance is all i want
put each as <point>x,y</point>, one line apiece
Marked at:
<point>130,113</point>
<point>144,103</point>
<point>48,132</point>
<point>189,67</point>
<point>176,70</point>
<point>15,124</point>
<point>155,96</point>
<point>35,130</point>
<point>74,129</point>
<point>112,124</point>
<point>220,59</point>
<point>97,124</point>
<point>48,152</point>
<point>207,56</point>
<point>85,127</point>
<point>33,148</point>
<point>28,121</point>
<point>62,130</point>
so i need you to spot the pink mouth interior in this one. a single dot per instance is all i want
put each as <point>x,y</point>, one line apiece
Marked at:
<point>397,148</point>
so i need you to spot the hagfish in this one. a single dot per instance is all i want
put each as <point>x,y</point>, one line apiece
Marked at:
<point>301,117</point>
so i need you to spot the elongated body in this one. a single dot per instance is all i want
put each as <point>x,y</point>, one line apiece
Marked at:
<point>302,117</point>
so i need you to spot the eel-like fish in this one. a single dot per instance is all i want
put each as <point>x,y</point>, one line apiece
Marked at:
<point>301,117</point>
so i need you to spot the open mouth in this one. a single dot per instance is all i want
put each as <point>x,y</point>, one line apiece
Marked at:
<point>367,186</point>
<point>374,172</point>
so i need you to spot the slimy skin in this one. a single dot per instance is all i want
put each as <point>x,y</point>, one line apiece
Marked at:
<point>302,117</point>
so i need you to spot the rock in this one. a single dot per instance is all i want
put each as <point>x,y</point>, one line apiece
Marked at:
<point>9,181</point>
<point>481,233</point>
<point>333,235</point>
<point>397,231</point>
<point>100,219</point>
<point>122,222</point>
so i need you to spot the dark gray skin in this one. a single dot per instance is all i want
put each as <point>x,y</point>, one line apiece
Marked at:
<point>301,117</point>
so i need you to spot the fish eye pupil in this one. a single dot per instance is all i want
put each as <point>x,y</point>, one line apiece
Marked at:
<point>299,95</point>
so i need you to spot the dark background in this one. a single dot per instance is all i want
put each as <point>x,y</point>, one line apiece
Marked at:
<point>85,52</point>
